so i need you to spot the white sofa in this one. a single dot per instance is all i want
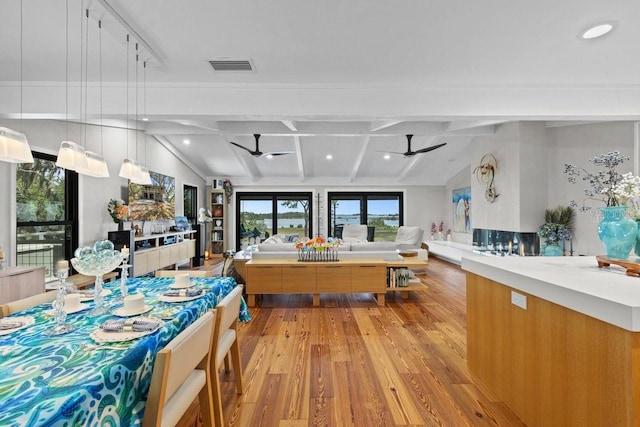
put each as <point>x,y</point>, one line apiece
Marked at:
<point>354,245</point>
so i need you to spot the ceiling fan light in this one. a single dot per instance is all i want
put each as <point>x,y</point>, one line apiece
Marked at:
<point>14,147</point>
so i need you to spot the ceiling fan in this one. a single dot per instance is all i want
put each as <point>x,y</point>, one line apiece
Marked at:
<point>257,152</point>
<point>411,153</point>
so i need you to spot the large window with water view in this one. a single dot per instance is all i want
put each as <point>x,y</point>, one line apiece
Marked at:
<point>46,210</point>
<point>263,215</point>
<point>381,211</point>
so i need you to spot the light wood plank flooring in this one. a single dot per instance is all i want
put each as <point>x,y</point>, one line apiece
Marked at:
<point>351,362</point>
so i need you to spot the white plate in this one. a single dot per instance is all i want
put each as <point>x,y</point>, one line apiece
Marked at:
<point>176,286</point>
<point>101,336</point>
<point>165,298</point>
<point>28,321</point>
<point>104,293</point>
<point>82,307</point>
<point>121,313</point>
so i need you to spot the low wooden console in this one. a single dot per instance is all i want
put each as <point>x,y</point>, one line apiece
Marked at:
<point>288,276</point>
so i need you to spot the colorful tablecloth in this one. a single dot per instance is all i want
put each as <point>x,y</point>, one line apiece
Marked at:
<point>70,380</point>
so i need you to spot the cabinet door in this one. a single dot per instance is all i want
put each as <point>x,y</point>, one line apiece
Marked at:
<point>368,278</point>
<point>164,256</point>
<point>175,253</point>
<point>299,279</point>
<point>191,248</point>
<point>262,279</point>
<point>183,248</point>
<point>334,279</point>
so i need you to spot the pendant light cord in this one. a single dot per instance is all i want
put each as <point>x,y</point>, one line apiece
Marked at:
<point>137,157</point>
<point>66,64</point>
<point>100,72</point>
<point>21,65</point>
<point>127,126</point>
<point>86,75</point>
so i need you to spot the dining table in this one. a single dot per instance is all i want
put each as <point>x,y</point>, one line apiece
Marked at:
<point>84,379</point>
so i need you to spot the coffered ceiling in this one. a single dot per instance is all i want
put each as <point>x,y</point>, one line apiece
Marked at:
<point>349,79</point>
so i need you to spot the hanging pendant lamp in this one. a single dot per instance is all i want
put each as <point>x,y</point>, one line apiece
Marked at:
<point>70,155</point>
<point>130,169</point>
<point>14,147</point>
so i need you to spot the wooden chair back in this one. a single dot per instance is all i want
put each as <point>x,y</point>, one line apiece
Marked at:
<point>180,374</point>
<point>27,303</point>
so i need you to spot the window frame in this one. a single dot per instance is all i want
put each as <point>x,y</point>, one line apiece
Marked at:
<point>363,197</point>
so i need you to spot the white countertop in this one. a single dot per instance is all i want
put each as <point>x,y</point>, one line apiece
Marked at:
<point>577,283</point>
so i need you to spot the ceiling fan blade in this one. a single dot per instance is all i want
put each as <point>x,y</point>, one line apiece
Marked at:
<point>389,152</point>
<point>433,147</point>
<point>241,146</point>
<point>277,153</point>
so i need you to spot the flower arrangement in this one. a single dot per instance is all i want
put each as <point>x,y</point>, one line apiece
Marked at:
<point>433,230</point>
<point>118,210</point>
<point>628,192</point>
<point>602,182</point>
<point>558,225</point>
<point>318,249</point>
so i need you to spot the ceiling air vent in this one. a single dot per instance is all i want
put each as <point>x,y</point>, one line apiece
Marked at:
<point>231,64</point>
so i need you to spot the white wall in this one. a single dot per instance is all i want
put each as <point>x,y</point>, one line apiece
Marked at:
<point>94,193</point>
<point>576,145</point>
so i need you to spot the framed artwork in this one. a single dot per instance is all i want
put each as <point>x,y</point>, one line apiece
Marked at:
<point>153,202</point>
<point>462,210</point>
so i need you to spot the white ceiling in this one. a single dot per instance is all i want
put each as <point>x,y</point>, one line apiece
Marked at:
<point>347,78</point>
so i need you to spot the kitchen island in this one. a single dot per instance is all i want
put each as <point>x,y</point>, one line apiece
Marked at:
<point>556,338</point>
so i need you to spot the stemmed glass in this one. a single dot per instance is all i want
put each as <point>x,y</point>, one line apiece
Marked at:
<point>62,272</point>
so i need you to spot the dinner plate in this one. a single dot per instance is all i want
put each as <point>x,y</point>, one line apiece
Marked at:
<point>101,336</point>
<point>121,313</point>
<point>176,286</point>
<point>28,321</point>
<point>84,297</point>
<point>82,307</point>
<point>166,298</point>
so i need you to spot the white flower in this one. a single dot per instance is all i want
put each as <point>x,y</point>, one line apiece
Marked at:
<point>627,190</point>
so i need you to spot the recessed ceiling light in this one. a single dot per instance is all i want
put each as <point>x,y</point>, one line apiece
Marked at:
<point>387,156</point>
<point>145,119</point>
<point>269,156</point>
<point>598,30</point>
<point>329,156</point>
<point>186,141</point>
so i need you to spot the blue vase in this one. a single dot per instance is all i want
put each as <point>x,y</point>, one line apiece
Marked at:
<point>552,250</point>
<point>637,248</point>
<point>617,232</point>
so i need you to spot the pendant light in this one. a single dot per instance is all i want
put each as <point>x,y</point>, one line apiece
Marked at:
<point>14,147</point>
<point>96,165</point>
<point>129,168</point>
<point>142,177</point>
<point>70,155</point>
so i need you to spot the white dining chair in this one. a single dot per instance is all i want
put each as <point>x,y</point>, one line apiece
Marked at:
<point>192,273</point>
<point>27,303</point>
<point>181,373</point>
<point>225,341</point>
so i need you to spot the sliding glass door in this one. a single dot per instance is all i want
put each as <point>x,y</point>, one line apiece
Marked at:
<point>381,211</point>
<point>262,215</point>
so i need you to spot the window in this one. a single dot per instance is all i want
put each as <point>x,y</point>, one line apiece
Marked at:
<point>46,213</point>
<point>382,211</point>
<point>261,215</point>
<point>191,204</point>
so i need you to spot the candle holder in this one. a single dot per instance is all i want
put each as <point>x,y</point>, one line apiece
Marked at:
<point>58,305</point>
<point>97,265</point>
<point>124,290</point>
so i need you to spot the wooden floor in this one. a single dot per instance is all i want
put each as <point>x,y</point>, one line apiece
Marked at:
<point>351,362</point>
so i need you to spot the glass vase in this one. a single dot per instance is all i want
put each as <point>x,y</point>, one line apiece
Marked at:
<point>552,250</point>
<point>617,232</point>
<point>637,248</point>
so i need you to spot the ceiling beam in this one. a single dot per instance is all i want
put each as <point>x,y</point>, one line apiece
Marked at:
<point>298,148</point>
<point>248,169</point>
<point>379,125</point>
<point>290,124</point>
<point>358,162</point>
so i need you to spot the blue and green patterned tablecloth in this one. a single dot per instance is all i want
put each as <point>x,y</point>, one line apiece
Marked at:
<point>58,381</point>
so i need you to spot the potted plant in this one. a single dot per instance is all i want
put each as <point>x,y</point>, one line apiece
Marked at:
<point>557,229</point>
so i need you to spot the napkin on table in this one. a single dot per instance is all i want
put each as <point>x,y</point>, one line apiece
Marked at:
<point>129,325</point>
<point>183,293</point>
<point>6,324</point>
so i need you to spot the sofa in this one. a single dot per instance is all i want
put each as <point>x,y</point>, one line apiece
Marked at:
<point>354,244</point>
